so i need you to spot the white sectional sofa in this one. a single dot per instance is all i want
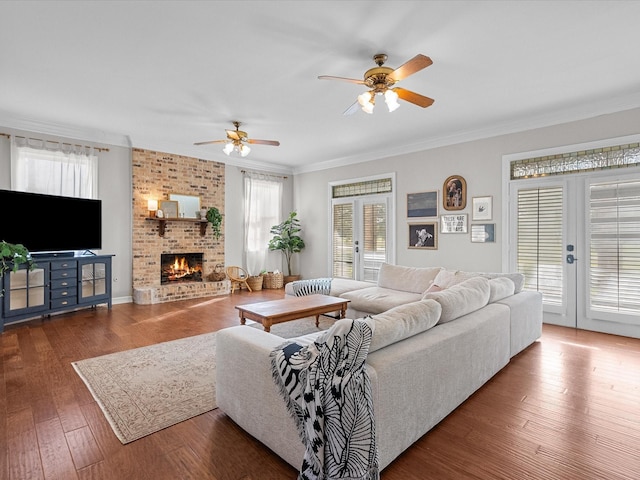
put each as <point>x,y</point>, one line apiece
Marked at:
<point>447,334</point>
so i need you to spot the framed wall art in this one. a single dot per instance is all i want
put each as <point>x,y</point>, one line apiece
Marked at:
<point>423,236</point>
<point>454,223</point>
<point>423,204</point>
<point>454,193</point>
<point>482,208</point>
<point>483,233</point>
<point>169,208</point>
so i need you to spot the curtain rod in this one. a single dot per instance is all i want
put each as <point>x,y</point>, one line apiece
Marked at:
<point>265,174</point>
<point>99,149</point>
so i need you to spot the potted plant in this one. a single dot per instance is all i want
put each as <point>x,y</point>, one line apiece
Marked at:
<point>287,240</point>
<point>214,217</point>
<point>12,255</point>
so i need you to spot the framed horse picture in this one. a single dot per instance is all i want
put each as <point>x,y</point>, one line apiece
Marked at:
<point>423,236</point>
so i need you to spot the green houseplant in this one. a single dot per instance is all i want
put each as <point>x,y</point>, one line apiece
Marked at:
<point>286,238</point>
<point>214,217</point>
<point>12,255</point>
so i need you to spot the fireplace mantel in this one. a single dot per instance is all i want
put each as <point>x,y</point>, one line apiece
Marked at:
<point>162,223</point>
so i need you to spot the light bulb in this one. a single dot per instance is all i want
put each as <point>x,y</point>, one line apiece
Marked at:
<point>366,102</point>
<point>391,99</point>
<point>244,150</point>
<point>228,148</point>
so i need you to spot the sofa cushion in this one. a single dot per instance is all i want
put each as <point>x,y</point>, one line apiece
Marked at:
<point>377,300</point>
<point>408,279</point>
<point>448,278</point>
<point>403,321</point>
<point>499,288</point>
<point>460,299</point>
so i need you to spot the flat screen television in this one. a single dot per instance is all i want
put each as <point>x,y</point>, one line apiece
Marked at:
<point>50,223</point>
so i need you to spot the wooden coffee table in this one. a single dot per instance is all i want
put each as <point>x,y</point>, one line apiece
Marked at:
<point>291,308</point>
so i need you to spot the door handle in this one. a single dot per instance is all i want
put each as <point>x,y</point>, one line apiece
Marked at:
<point>571,259</point>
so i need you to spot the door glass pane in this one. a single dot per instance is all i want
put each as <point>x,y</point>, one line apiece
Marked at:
<point>18,299</point>
<point>540,241</point>
<point>87,272</point>
<point>100,286</point>
<point>614,229</point>
<point>342,264</point>
<point>36,296</point>
<point>87,289</point>
<point>18,279</point>
<point>374,252</point>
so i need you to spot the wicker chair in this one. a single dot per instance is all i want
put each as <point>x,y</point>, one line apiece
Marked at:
<point>238,277</point>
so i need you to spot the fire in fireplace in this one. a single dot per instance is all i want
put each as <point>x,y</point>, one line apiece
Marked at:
<point>180,267</point>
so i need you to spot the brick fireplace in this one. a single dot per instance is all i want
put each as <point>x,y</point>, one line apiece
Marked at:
<point>155,176</point>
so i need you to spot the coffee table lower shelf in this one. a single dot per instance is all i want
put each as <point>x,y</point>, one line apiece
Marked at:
<point>291,308</point>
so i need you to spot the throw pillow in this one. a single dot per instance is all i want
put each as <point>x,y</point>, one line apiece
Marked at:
<point>461,299</point>
<point>499,288</point>
<point>516,278</point>
<point>407,279</point>
<point>403,321</point>
<point>449,278</point>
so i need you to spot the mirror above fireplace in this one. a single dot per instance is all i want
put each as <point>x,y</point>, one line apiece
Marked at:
<point>188,205</point>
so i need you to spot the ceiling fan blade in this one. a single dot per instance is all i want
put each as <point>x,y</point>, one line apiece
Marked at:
<point>414,65</point>
<point>413,97</point>
<point>352,109</point>
<point>210,142</point>
<point>233,134</point>
<point>343,79</point>
<point>275,143</point>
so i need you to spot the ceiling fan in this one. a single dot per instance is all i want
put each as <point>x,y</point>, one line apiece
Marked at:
<point>380,81</point>
<point>237,140</point>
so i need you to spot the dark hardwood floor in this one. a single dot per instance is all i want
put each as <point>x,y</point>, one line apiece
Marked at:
<point>568,407</point>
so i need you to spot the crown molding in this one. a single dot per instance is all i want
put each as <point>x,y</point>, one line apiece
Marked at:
<point>61,130</point>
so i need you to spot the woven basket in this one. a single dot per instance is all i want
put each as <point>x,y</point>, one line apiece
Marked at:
<point>218,274</point>
<point>273,280</point>
<point>255,282</point>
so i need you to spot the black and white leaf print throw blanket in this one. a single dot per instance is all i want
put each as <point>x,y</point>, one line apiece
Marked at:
<point>328,393</point>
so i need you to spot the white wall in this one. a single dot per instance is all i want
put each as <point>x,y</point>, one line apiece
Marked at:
<point>114,189</point>
<point>479,162</point>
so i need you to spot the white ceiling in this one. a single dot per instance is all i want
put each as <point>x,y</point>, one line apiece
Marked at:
<point>163,75</point>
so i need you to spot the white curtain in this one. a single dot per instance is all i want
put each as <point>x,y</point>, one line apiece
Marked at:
<point>69,172</point>
<point>262,210</point>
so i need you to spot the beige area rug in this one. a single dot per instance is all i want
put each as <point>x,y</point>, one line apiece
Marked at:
<point>144,390</point>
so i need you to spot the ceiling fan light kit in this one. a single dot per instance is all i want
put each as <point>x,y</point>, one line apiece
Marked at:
<point>237,141</point>
<point>381,80</point>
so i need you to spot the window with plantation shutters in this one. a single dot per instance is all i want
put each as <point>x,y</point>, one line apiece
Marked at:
<point>540,242</point>
<point>343,240</point>
<point>614,237</point>
<point>361,237</point>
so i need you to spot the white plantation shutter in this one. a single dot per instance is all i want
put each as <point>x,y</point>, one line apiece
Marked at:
<point>614,236</point>
<point>375,239</point>
<point>540,241</point>
<point>342,240</point>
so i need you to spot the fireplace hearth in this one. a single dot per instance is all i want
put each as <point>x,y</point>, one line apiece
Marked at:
<point>180,268</point>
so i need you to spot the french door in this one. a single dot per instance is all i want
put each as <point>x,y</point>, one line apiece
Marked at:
<point>577,240</point>
<point>361,239</point>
